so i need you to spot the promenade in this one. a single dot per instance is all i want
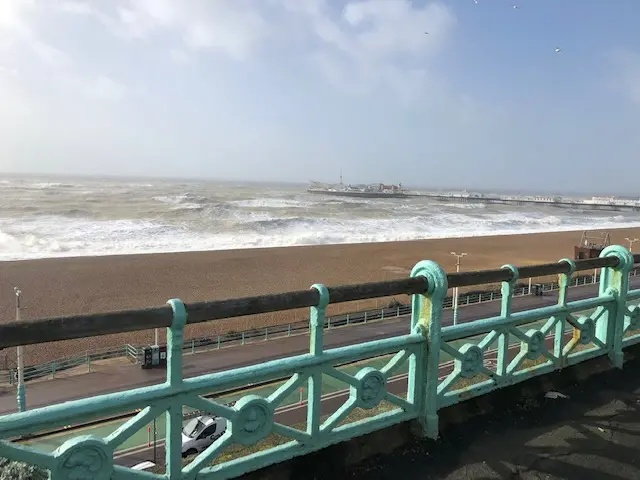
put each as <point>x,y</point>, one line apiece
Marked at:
<point>124,377</point>
<point>592,434</point>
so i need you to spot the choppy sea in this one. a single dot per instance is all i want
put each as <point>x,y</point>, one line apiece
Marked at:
<point>49,218</point>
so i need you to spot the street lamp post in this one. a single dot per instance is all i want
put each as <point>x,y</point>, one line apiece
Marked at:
<point>631,242</point>
<point>455,289</point>
<point>21,393</point>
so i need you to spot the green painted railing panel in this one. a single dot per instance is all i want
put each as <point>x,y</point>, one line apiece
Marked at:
<point>516,345</point>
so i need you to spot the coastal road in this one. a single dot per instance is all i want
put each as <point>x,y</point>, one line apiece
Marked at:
<point>121,378</point>
<point>296,414</point>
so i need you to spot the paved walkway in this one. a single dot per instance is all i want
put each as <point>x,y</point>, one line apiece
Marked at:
<point>121,378</point>
<point>595,434</point>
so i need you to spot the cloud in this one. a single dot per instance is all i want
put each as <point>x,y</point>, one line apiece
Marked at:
<point>361,47</point>
<point>231,27</point>
<point>20,22</point>
<point>627,67</point>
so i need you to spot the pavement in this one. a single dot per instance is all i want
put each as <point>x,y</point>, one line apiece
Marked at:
<point>592,434</point>
<point>122,378</point>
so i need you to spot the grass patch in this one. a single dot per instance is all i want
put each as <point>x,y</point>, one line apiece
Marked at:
<point>274,440</point>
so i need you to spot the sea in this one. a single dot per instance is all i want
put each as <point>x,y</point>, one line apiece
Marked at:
<point>47,217</point>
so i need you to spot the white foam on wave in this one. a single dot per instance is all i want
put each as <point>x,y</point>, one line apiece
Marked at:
<point>179,202</point>
<point>50,185</point>
<point>54,236</point>
<point>267,203</point>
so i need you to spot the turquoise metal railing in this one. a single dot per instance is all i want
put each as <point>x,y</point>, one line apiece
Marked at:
<point>202,344</point>
<point>610,327</point>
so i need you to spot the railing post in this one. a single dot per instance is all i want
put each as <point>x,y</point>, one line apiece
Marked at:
<point>382,314</point>
<point>506,293</point>
<point>610,326</point>
<point>347,319</point>
<point>175,339</point>
<point>426,320</point>
<point>558,339</point>
<point>398,312</point>
<point>316,339</point>
<point>21,393</point>
<point>365,317</point>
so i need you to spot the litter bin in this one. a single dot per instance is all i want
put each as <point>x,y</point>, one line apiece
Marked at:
<point>147,361</point>
<point>537,290</point>
<point>154,356</point>
<point>162,360</point>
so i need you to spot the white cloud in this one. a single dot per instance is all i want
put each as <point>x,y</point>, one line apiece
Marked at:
<point>627,65</point>
<point>8,71</point>
<point>19,22</point>
<point>374,43</point>
<point>366,45</point>
<point>105,88</point>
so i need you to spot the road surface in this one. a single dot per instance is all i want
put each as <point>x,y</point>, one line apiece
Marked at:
<point>296,414</point>
<point>122,378</point>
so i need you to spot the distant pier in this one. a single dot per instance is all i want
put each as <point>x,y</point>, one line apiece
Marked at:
<point>616,207</point>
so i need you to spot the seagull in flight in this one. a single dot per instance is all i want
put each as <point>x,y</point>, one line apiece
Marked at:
<point>557,50</point>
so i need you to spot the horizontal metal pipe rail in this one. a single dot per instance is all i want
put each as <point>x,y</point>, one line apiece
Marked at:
<point>200,344</point>
<point>13,334</point>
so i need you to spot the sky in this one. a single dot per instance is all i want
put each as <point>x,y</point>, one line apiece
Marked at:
<point>521,94</point>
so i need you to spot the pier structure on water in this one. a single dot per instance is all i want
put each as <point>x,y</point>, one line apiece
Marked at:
<point>595,203</point>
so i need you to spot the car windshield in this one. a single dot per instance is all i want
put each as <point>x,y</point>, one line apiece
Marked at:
<point>193,428</point>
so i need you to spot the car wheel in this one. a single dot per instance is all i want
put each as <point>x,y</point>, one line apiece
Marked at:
<point>188,453</point>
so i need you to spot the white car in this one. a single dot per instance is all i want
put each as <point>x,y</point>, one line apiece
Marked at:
<point>200,432</point>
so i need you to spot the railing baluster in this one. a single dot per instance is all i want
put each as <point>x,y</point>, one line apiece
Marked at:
<point>506,292</point>
<point>610,327</point>
<point>564,282</point>
<point>175,339</point>
<point>316,342</point>
<point>426,320</point>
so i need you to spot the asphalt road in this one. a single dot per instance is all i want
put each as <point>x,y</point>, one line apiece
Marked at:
<point>297,413</point>
<point>122,378</point>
